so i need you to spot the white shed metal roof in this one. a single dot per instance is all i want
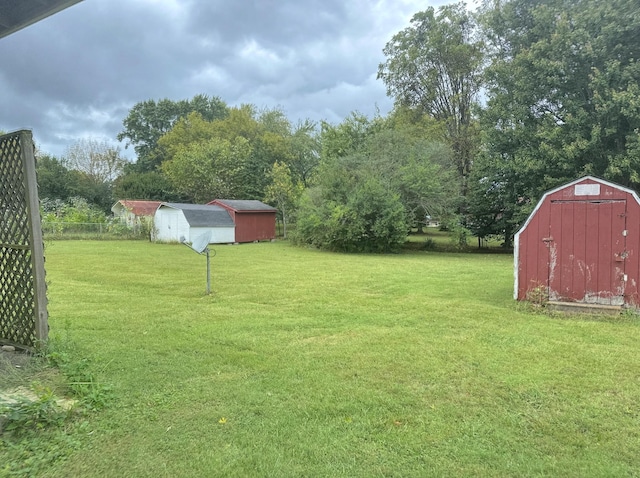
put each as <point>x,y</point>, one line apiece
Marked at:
<point>202,215</point>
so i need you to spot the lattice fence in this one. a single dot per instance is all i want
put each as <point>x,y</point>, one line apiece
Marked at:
<point>23,301</point>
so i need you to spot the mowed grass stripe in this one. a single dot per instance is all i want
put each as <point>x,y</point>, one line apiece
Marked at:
<point>307,363</point>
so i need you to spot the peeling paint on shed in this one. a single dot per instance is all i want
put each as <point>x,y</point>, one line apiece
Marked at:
<point>581,244</point>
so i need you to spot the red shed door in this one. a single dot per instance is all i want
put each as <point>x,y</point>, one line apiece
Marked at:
<point>587,251</point>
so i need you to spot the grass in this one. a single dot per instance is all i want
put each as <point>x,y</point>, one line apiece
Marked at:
<point>306,363</point>
<point>434,239</point>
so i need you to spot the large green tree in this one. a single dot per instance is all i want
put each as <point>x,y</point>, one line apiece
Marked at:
<point>60,182</point>
<point>348,137</point>
<point>150,185</point>
<point>148,120</point>
<point>283,191</point>
<point>562,102</point>
<point>305,151</point>
<point>204,171</point>
<point>434,66</point>
<point>375,179</point>
<point>268,137</point>
<point>54,178</point>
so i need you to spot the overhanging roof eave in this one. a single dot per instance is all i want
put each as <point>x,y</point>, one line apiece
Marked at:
<point>18,14</point>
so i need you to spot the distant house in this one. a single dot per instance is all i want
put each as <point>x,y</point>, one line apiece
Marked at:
<point>133,212</point>
<point>254,220</point>
<point>175,221</point>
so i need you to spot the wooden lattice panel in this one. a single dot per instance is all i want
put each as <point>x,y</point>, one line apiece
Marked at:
<point>22,294</point>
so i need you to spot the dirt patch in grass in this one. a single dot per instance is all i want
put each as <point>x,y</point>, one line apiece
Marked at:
<point>10,361</point>
<point>24,369</point>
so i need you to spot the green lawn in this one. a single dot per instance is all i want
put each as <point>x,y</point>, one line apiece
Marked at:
<point>306,363</point>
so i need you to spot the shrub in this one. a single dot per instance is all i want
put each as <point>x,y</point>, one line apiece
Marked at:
<point>370,220</point>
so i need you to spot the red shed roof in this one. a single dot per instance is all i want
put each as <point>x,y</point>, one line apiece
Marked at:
<point>141,208</point>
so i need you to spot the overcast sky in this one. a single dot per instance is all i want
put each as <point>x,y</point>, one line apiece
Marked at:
<point>78,73</point>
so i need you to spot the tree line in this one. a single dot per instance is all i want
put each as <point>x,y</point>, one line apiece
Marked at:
<point>492,108</point>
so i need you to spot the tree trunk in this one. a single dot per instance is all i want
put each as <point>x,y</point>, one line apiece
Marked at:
<point>284,224</point>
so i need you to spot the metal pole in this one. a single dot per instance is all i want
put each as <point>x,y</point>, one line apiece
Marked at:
<point>208,272</point>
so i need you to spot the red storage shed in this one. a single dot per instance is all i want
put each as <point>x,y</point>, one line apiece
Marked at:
<point>581,244</point>
<point>254,220</point>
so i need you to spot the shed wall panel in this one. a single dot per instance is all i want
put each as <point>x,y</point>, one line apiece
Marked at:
<point>255,226</point>
<point>586,269</point>
<point>251,225</point>
<point>534,256</point>
<point>171,225</point>
<point>632,262</point>
<point>219,235</point>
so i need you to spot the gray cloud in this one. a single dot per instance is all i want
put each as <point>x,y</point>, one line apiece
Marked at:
<point>77,73</point>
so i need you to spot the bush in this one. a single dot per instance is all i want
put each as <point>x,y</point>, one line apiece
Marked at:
<point>370,220</point>
<point>74,210</point>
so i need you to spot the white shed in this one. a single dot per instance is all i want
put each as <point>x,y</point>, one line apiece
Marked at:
<point>174,221</point>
